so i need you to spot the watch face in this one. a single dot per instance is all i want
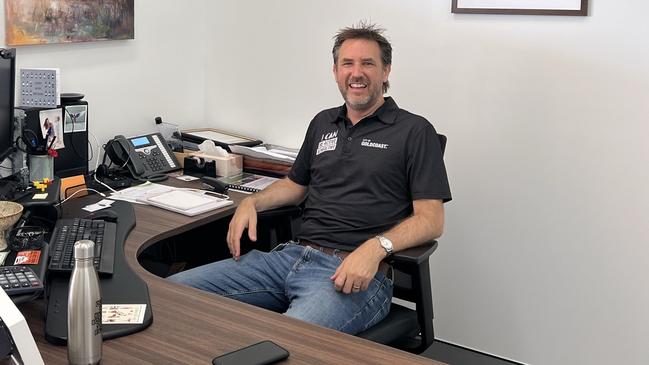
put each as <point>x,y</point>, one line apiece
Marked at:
<point>386,243</point>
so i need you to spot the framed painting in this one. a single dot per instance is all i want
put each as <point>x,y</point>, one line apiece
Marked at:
<point>67,21</point>
<point>527,7</point>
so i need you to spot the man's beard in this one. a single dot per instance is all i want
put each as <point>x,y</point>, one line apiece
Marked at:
<point>364,102</point>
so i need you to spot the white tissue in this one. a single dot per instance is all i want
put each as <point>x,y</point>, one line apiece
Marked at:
<point>210,149</point>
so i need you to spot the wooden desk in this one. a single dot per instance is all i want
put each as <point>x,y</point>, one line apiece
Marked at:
<point>192,327</point>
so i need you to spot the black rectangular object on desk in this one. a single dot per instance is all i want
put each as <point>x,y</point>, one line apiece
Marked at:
<point>39,269</point>
<point>123,287</point>
<point>18,280</point>
<point>68,231</point>
<point>73,159</point>
<point>197,166</point>
<point>261,353</point>
<point>31,198</point>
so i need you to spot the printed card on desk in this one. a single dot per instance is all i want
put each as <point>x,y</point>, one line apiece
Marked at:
<point>122,313</point>
<point>28,257</point>
<point>104,203</point>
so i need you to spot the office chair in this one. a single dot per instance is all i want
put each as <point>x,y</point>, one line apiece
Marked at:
<point>403,328</point>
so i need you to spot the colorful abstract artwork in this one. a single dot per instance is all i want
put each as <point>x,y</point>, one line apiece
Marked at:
<point>67,21</point>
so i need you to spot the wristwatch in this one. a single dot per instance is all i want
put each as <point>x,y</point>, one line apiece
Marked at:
<point>386,244</point>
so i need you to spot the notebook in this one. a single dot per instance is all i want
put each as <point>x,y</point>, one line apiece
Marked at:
<point>248,182</point>
<point>187,202</point>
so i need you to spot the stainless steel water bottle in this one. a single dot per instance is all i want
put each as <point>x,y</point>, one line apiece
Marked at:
<point>84,308</point>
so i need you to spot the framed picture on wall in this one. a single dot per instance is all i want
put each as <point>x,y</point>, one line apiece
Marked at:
<point>29,22</point>
<point>526,7</point>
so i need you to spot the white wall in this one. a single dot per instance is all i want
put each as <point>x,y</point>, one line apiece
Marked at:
<point>128,83</point>
<point>544,257</point>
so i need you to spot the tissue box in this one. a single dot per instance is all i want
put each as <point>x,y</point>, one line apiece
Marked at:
<point>225,166</point>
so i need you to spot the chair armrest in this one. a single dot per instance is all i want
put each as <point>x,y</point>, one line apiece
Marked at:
<point>277,226</point>
<point>415,255</point>
<point>289,210</point>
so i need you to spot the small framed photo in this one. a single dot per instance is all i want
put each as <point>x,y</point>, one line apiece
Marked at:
<point>75,118</point>
<point>525,7</point>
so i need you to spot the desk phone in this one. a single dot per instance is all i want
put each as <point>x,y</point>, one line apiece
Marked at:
<point>144,155</point>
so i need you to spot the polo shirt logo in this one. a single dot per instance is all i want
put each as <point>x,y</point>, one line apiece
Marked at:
<point>368,143</point>
<point>327,142</point>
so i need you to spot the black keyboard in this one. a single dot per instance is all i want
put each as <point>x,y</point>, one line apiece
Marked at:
<point>69,231</point>
<point>16,280</point>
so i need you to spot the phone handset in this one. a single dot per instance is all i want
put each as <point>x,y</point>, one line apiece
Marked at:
<point>146,157</point>
<point>130,157</point>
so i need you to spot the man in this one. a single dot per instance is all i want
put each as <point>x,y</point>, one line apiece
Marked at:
<point>374,182</point>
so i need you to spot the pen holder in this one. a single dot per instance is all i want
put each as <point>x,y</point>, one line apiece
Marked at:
<point>41,167</point>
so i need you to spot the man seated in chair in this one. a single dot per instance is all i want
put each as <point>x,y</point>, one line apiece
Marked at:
<point>374,182</point>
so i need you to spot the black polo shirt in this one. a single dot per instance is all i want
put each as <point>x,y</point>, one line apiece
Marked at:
<point>362,179</point>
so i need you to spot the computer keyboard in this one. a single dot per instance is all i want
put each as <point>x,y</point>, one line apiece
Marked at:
<point>16,280</point>
<point>69,231</point>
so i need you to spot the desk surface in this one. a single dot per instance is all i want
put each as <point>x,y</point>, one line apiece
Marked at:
<point>192,327</point>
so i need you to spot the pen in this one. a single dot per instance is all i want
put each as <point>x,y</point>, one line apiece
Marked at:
<point>51,143</point>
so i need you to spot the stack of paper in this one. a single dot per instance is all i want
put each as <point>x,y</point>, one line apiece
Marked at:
<point>184,201</point>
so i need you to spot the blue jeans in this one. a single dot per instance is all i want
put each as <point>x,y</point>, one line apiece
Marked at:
<point>294,280</point>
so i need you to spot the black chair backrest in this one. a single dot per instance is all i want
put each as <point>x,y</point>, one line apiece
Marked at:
<point>442,142</point>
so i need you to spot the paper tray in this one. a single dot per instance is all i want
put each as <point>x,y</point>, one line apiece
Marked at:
<point>220,138</point>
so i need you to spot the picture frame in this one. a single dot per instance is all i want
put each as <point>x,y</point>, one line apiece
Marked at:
<point>522,7</point>
<point>34,22</point>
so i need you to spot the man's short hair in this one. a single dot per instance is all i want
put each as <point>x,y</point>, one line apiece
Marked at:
<point>364,30</point>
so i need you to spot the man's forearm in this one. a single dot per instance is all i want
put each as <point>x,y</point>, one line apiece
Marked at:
<point>425,224</point>
<point>280,193</point>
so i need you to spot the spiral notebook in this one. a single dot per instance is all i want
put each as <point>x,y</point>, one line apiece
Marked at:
<point>247,182</point>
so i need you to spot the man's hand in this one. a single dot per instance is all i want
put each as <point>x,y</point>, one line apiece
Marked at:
<point>281,192</point>
<point>356,272</point>
<point>244,217</point>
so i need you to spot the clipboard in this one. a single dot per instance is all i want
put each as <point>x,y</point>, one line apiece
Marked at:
<point>219,137</point>
<point>185,201</point>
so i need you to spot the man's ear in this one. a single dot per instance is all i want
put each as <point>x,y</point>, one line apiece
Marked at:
<point>386,72</point>
<point>334,68</point>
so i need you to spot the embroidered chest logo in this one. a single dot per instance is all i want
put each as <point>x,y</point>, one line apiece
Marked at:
<point>327,142</point>
<point>368,143</point>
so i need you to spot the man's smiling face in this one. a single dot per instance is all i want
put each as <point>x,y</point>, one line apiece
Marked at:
<point>360,74</point>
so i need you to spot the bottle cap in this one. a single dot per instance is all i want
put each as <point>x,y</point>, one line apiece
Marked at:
<point>84,249</point>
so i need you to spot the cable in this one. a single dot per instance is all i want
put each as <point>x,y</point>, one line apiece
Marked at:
<point>76,192</point>
<point>94,174</point>
<point>74,148</point>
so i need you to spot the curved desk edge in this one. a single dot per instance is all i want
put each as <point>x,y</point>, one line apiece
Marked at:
<point>192,326</point>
